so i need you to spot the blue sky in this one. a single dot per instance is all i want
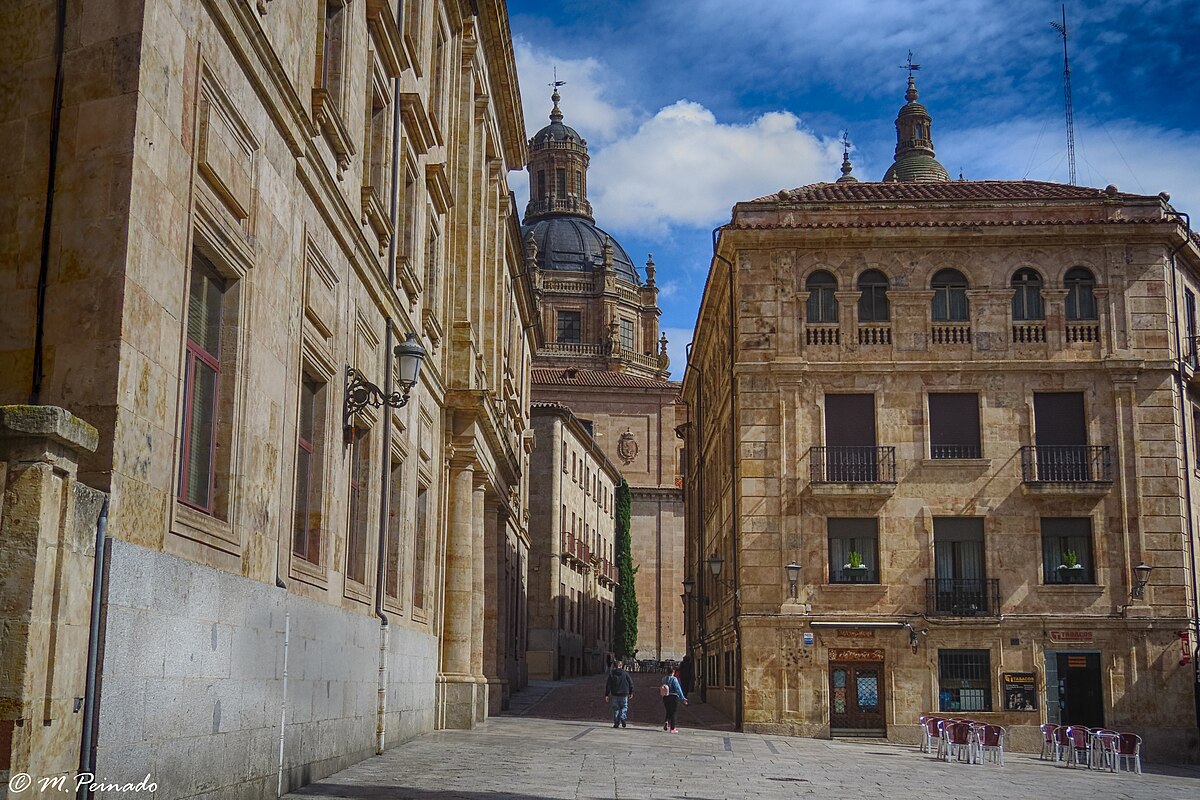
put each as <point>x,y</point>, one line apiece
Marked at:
<point>690,107</point>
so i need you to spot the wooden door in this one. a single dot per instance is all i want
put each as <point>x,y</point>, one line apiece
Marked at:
<point>856,699</point>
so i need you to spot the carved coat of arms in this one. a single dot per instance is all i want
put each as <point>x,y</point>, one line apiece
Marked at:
<point>627,447</point>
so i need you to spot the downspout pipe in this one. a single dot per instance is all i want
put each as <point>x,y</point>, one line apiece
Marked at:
<point>56,104</point>
<point>698,502</point>
<point>1181,383</point>
<point>736,489</point>
<point>87,741</point>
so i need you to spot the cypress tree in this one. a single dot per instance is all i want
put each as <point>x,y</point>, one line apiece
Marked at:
<point>625,613</point>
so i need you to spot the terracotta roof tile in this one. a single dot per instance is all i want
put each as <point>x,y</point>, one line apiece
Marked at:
<point>948,191</point>
<point>569,376</point>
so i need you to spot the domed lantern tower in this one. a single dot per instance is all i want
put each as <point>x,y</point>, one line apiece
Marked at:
<point>596,311</point>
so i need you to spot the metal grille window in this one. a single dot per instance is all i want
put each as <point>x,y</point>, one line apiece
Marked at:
<point>570,327</point>
<point>873,300</point>
<point>1027,296</point>
<point>1081,295</point>
<point>202,373</point>
<point>964,680</point>
<point>822,300</point>
<point>950,297</point>
<point>627,335</point>
<point>954,425</point>
<point>853,550</point>
<point>1067,550</point>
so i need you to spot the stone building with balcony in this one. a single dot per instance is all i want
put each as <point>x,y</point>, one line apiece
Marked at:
<point>217,234</point>
<point>603,358</point>
<point>965,414</point>
<point>572,563</point>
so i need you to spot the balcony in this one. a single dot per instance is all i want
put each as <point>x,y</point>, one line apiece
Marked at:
<point>1066,469</point>
<point>962,597</point>
<point>852,470</point>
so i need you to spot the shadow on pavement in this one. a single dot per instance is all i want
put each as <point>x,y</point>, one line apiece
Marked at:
<point>582,700</point>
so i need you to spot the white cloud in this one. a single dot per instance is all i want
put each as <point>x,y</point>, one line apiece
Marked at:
<point>683,167</point>
<point>583,105</point>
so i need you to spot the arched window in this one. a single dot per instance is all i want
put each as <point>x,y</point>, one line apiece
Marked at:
<point>822,304</point>
<point>873,300</point>
<point>1081,294</point>
<point>1027,296</point>
<point>950,296</point>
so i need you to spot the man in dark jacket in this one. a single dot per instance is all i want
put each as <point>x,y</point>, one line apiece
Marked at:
<point>617,692</point>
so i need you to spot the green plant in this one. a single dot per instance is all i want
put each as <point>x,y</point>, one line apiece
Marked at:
<point>856,561</point>
<point>1070,559</point>
<point>625,611</point>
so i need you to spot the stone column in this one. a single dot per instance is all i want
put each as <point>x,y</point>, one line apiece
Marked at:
<point>47,558</point>
<point>496,592</point>
<point>478,602</point>
<point>456,681</point>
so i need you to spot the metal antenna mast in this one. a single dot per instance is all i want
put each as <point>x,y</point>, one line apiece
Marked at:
<point>1062,30</point>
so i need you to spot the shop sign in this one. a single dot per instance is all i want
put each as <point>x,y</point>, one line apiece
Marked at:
<point>1020,691</point>
<point>1071,637</point>
<point>855,654</point>
<point>855,633</point>
<point>808,639</point>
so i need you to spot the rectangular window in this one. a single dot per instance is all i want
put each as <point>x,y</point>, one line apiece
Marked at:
<point>433,271</point>
<point>954,425</point>
<point>395,529</point>
<point>627,335</point>
<point>376,152</point>
<point>420,546</point>
<point>437,89</point>
<point>853,550</point>
<point>562,606</point>
<point>541,185</point>
<point>332,47</point>
<point>1196,436</point>
<point>850,438</point>
<point>1067,550</point>
<point>570,327</point>
<point>202,372</point>
<point>357,534</point>
<point>306,517</point>
<point>730,678</point>
<point>964,680</point>
<point>560,176</point>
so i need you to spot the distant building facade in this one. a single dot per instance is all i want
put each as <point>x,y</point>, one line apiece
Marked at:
<point>253,204</point>
<point>603,358</point>
<point>965,414</point>
<point>572,564</point>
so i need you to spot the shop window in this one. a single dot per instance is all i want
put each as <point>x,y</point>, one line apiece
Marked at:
<point>964,680</point>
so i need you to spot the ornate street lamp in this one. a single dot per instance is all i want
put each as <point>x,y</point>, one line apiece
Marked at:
<point>1141,575</point>
<point>793,573</point>
<point>361,393</point>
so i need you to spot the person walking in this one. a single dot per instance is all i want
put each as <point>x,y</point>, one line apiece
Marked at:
<point>618,691</point>
<point>672,692</point>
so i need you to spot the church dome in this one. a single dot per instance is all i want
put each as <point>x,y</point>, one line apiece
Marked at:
<point>575,244</point>
<point>556,131</point>
<point>915,160</point>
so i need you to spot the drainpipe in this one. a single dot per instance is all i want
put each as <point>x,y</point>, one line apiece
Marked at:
<point>287,630</point>
<point>734,494</point>
<point>701,598</point>
<point>381,560</point>
<point>1181,384</point>
<point>39,329</point>
<point>87,741</point>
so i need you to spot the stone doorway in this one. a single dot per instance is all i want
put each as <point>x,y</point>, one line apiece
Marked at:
<point>856,699</point>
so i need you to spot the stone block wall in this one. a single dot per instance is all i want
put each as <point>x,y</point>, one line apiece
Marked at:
<point>193,685</point>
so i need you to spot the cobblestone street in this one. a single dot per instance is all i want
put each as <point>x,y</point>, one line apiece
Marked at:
<point>556,742</point>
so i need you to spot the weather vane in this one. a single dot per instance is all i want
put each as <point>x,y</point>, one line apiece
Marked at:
<point>557,83</point>
<point>910,66</point>
<point>846,140</point>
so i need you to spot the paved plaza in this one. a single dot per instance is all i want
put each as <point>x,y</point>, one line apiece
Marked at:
<point>533,753</point>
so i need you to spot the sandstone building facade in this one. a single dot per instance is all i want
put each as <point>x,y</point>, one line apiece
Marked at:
<point>572,563</point>
<point>603,358</point>
<point>964,414</point>
<point>247,206</point>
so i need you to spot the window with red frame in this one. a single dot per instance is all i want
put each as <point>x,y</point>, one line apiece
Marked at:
<point>356,538</point>
<point>202,375</point>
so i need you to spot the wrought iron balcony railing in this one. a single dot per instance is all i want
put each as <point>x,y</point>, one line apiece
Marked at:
<point>962,597</point>
<point>1066,464</point>
<point>852,465</point>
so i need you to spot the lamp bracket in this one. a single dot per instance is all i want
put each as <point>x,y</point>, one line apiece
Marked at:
<point>361,393</point>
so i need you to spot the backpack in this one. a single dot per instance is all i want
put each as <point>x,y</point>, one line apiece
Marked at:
<point>664,688</point>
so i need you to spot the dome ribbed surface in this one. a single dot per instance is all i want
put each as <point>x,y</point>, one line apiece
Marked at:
<point>556,132</point>
<point>916,169</point>
<point>575,244</point>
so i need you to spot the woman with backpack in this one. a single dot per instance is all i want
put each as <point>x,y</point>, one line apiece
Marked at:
<point>671,692</point>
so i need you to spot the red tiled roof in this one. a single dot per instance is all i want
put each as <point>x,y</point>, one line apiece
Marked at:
<point>949,191</point>
<point>888,223</point>
<point>569,376</point>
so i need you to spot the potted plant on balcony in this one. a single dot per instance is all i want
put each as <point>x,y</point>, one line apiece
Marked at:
<point>855,571</point>
<point>1070,570</point>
